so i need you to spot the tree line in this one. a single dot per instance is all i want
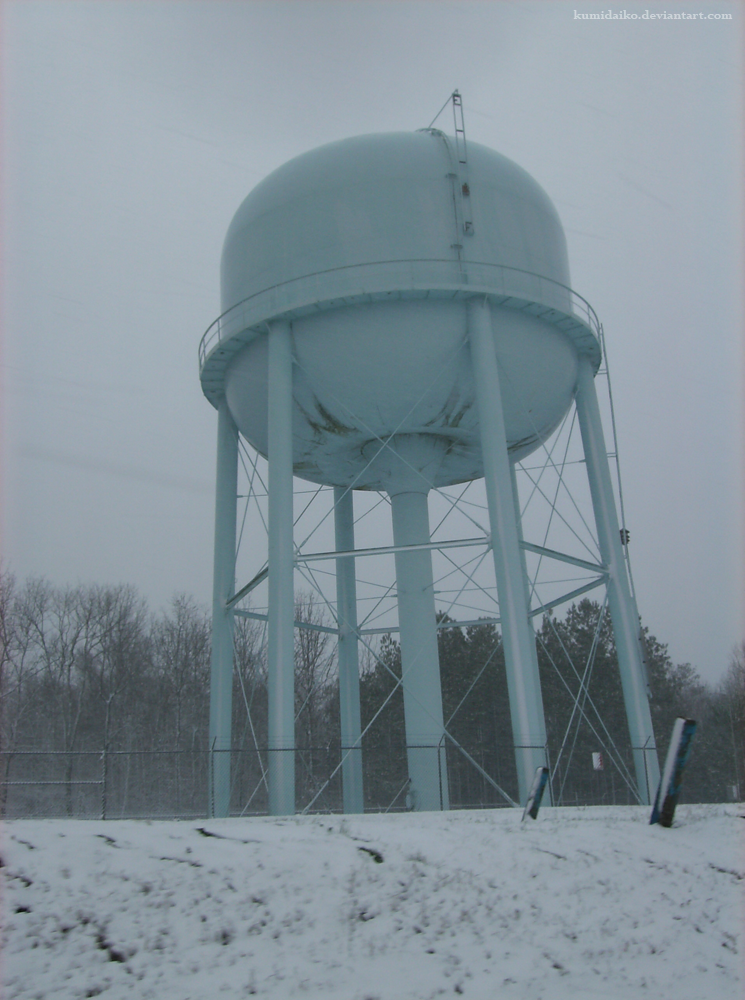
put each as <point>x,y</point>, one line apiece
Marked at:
<point>105,704</point>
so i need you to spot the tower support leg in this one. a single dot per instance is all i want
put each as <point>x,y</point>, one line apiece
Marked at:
<point>620,601</point>
<point>223,587</point>
<point>425,747</point>
<point>349,674</point>
<point>528,599</point>
<point>526,705</point>
<point>280,631</point>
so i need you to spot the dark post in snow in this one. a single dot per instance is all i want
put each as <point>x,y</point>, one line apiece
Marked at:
<point>678,753</point>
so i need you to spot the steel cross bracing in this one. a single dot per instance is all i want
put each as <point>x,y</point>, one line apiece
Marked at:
<point>440,546</point>
<point>304,558</point>
<point>455,503</point>
<point>578,532</point>
<point>303,561</point>
<point>544,552</point>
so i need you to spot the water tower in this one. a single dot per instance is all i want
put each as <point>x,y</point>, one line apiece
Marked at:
<point>397,316</point>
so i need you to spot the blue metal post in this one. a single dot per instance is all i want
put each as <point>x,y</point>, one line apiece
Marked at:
<point>620,601</point>
<point>419,655</point>
<point>349,675</point>
<point>223,587</point>
<point>526,705</point>
<point>281,629</point>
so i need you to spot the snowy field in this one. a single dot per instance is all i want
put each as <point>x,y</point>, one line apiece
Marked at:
<point>580,903</point>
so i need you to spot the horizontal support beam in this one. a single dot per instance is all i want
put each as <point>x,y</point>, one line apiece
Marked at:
<point>310,626</point>
<point>392,549</point>
<point>570,596</point>
<point>385,550</point>
<point>87,781</point>
<point>251,585</point>
<point>586,588</point>
<point>468,624</point>
<point>473,621</point>
<point>561,557</point>
<point>452,544</point>
<point>463,543</point>
<point>257,616</point>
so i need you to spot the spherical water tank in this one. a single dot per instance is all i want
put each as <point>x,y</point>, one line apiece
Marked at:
<point>372,247</point>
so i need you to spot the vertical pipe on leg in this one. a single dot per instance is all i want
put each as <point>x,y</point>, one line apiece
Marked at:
<point>349,675</point>
<point>526,706</point>
<point>620,601</point>
<point>223,587</point>
<point>420,662</point>
<point>281,631</point>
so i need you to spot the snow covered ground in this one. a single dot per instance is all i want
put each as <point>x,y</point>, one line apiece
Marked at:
<point>581,903</point>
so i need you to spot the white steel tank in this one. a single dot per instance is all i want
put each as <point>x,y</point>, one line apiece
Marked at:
<point>371,247</point>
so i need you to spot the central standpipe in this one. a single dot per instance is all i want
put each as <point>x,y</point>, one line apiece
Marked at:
<point>420,664</point>
<point>349,672</point>
<point>620,602</point>
<point>523,682</point>
<point>281,625</point>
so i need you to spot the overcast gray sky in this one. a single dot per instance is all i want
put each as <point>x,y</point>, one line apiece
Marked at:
<point>133,130</point>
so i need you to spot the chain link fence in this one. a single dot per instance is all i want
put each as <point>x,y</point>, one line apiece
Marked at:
<point>129,784</point>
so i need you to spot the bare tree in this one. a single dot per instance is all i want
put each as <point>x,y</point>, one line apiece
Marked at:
<point>181,642</point>
<point>118,659</point>
<point>732,690</point>
<point>18,672</point>
<point>315,660</point>
<point>181,650</point>
<point>314,663</point>
<point>249,713</point>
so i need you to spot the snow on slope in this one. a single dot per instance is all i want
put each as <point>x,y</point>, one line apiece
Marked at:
<point>581,903</point>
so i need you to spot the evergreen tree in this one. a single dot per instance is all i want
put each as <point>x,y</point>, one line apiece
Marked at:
<point>88,667</point>
<point>476,714</point>
<point>384,763</point>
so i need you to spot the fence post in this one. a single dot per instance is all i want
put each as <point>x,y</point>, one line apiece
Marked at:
<point>439,768</point>
<point>550,773</point>
<point>104,760</point>
<point>211,777</point>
